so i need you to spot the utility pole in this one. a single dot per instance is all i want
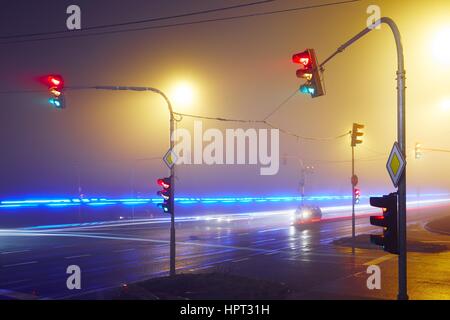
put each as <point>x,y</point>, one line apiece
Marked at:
<point>401,139</point>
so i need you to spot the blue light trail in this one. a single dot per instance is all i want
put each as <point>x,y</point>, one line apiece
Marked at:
<point>99,202</point>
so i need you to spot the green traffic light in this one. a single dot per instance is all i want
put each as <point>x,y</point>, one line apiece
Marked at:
<point>306,89</point>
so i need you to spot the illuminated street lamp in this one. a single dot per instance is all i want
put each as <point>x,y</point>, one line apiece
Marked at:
<point>182,94</point>
<point>58,81</point>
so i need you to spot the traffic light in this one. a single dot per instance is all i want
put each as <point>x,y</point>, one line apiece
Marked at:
<point>389,239</point>
<point>357,195</point>
<point>356,134</point>
<point>55,85</point>
<point>418,151</point>
<point>166,194</point>
<point>309,70</point>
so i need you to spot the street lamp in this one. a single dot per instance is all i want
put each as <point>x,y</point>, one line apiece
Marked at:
<point>445,104</point>
<point>171,143</point>
<point>182,94</point>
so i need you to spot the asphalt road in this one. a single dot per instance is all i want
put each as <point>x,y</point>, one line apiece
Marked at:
<point>33,262</point>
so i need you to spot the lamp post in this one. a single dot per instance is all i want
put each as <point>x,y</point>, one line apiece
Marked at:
<point>171,144</point>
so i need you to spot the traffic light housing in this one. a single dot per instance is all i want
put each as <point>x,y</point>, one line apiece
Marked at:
<point>309,70</point>
<point>55,85</point>
<point>357,193</point>
<point>389,239</point>
<point>418,151</point>
<point>166,194</point>
<point>357,134</point>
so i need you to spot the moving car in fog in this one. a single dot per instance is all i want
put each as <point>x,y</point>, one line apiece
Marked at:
<point>307,214</point>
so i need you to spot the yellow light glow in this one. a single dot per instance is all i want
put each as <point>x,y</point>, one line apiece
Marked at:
<point>182,95</point>
<point>445,104</point>
<point>441,46</point>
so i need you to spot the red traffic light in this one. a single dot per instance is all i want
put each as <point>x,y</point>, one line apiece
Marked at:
<point>55,81</point>
<point>55,85</point>
<point>309,70</point>
<point>164,182</point>
<point>166,194</point>
<point>303,58</point>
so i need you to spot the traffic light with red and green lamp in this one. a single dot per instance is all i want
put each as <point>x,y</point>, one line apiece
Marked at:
<point>166,194</point>
<point>55,85</point>
<point>309,70</point>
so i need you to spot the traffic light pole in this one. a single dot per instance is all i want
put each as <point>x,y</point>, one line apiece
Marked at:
<point>172,169</point>
<point>401,139</point>
<point>353,200</point>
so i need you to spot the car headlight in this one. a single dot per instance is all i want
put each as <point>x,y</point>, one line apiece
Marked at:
<point>306,214</point>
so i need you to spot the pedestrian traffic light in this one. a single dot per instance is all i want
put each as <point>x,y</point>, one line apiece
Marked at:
<point>356,134</point>
<point>55,85</point>
<point>309,70</point>
<point>166,194</point>
<point>357,195</point>
<point>389,239</point>
<point>418,151</point>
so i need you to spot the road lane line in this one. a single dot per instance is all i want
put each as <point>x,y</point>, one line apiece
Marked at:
<point>124,250</point>
<point>270,230</point>
<point>18,251</point>
<point>379,260</point>
<point>271,253</point>
<point>201,268</point>
<point>262,241</point>
<point>239,260</point>
<point>19,264</point>
<point>78,256</point>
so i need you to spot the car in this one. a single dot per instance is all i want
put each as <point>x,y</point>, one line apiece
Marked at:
<point>307,214</point>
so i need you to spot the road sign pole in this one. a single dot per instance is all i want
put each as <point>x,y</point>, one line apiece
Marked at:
<point>353,200</point>
<point>401,133</point>
<point>172,200</point>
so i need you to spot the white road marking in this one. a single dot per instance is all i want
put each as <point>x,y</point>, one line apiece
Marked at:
<point>239,260</point>
<point>18,251</point>
<point>261,241</point>
<point>271,253</point>
<point>79,256</point>
<point>125,250</point>
<point>269,230</point>
<point>200,268</point>
<point>19,264</point>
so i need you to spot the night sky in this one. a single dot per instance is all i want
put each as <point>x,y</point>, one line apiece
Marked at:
<point>240,69</point>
